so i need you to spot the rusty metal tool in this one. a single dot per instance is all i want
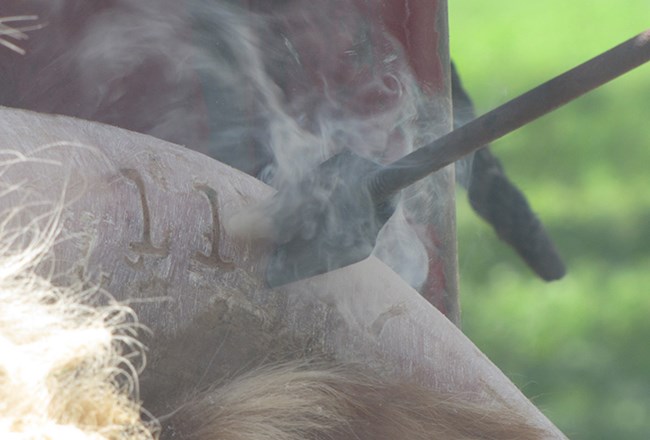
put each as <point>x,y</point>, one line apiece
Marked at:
<point>332,218</point>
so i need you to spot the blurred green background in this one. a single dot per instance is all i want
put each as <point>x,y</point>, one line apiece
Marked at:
<point>580,347</point>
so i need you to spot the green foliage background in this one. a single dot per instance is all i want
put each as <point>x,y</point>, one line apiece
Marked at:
<point>580,347</point>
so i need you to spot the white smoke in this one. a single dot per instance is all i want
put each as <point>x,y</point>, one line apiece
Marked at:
<point>271,87</point>
<point>13,30</point>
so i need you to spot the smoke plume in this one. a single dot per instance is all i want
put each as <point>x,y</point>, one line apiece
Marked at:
<point>272,88</point>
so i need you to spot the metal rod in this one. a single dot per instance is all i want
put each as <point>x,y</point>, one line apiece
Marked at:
<point>510,116</point>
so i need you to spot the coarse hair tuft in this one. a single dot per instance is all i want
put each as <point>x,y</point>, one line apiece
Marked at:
<point>68,366</point>
<point>320,401</point>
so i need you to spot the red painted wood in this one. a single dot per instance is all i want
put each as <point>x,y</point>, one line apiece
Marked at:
<point>416,24</point>
<point>421,27</point>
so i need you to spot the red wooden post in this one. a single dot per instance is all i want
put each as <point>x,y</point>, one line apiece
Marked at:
<point>422,28</point>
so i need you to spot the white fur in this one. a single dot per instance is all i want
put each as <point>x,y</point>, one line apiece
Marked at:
<point>66,367</point>
<point>9,33</point>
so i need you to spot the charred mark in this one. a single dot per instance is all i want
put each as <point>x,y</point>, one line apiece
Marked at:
<point>146,246</point>
<point>213,258</point>
<point>379,323</point>
<point>136,264</point>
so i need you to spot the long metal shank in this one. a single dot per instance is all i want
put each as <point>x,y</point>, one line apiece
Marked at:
<point>510,116</point>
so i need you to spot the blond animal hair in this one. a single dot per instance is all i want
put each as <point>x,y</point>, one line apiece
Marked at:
<point>67,369</point>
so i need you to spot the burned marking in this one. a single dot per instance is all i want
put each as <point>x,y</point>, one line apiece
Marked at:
<point>243,196</point>
<point>137,264</point>
<point>89,279</point>
<point>379,323</point>
<point>152,287</point>
<point>213,259</point>
<point>146,246</point>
